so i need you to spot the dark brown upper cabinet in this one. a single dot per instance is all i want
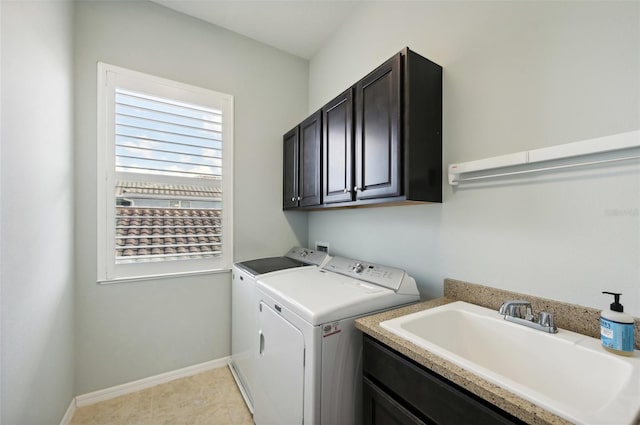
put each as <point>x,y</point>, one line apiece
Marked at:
<point>337,142</point>
<point>377,147</point>
<point>290,169</point>
<point>382,138</point>
<point>302,163</point>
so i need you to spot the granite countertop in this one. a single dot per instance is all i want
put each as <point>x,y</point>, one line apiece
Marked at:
<point>507,401</point>
<point>573,317</point>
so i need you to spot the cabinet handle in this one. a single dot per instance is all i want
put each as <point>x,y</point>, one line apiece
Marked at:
<point>356,188</point>
<point>345,190</point>
<point>293,199</point>
<point>299,198</point>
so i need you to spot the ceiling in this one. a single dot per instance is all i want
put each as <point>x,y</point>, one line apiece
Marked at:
<point>299,27</point>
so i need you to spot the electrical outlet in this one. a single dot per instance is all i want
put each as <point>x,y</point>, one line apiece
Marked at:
<point>322,246</point>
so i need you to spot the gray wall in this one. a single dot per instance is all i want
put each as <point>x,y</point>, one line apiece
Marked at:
<point>36,225</point>
<point>517,76</point>
<point>135,330</point>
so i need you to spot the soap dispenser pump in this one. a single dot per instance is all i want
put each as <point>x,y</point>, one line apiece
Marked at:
<point>616,328</point>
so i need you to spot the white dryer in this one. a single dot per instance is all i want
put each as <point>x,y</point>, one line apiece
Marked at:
<point>244,309</point>
<point>309,352</point>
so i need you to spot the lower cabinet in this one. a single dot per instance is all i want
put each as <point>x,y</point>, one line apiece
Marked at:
<point>397,390</point>
<point>381,408</point>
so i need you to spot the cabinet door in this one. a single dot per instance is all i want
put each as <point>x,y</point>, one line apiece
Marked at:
<point>290,169</point>
<point>309,166</point>
<point>381,409</point>
<point>337,141</point>
<point>378,160</point>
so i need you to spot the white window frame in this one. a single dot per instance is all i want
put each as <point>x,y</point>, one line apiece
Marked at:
<point>111,77</point>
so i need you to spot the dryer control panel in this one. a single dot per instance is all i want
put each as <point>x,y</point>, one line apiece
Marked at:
<point>388,277</point>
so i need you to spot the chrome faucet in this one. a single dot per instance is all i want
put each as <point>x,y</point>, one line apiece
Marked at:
<point>512,311</point>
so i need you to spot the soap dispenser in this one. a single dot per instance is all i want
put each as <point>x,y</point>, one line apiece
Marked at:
<point>616,328</point>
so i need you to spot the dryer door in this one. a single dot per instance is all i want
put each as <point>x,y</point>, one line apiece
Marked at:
<point>278,398</point>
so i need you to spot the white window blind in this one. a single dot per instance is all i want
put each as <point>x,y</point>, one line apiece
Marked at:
<point>167,190</point>
<point>161,136</point>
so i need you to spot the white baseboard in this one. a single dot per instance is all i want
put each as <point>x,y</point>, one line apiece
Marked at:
<point>141,384</point>
<point>66,419</point>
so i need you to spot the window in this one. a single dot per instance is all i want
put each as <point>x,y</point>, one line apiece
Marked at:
<point>164,176</point>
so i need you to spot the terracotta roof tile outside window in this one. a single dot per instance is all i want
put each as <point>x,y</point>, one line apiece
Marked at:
<point>126,188</point>
<point>159,234</point>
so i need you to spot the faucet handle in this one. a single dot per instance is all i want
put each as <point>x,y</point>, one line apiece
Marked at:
<point>512,308</point>
<point>546,319</point>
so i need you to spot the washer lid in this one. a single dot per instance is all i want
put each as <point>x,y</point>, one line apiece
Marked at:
<point>319,296</point>
<point>268,265</point>
<point>296,257</point>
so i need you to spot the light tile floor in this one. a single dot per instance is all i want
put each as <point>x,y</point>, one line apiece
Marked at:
<point>209,398</point>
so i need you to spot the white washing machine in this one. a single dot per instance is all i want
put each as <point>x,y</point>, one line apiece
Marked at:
<point>244,309</point>
<point>309,351</point>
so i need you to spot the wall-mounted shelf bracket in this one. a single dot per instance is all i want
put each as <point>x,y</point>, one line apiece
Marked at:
<point>576,150</point>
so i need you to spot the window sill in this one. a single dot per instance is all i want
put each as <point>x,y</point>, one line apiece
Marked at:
<point>159,276</point>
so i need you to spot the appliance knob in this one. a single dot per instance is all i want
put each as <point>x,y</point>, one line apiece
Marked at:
<point>357,268</point>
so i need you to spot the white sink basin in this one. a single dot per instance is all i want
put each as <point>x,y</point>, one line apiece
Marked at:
<point>566,373</point>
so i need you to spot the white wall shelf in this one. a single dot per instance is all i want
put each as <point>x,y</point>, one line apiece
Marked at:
<point>578,150</point>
